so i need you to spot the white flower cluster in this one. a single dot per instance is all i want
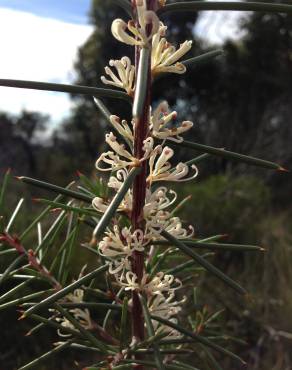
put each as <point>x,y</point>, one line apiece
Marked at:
<point>160,297</point>
<point>126,75</point>
<point>161,118</point>
<point>136,34</point>
<point>164,56</point>
<point>119,243</point>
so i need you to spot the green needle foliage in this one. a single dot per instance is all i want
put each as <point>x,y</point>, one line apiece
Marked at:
<point>103,262</point>
<point>72,89</point>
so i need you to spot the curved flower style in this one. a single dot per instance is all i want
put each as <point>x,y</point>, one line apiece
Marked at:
<point>160,168</point>
<point>122,127</point>
<point>161,117</point>
<point>165,307</point>
<point>114,161</point>
<point>138,36</point>
<point>120,244</point>
<point>157,201</point>
<point>115,182</point>
<point>126,75</point>
<point>160,284</point>
<point>162,221</point>
<point>164,57</point>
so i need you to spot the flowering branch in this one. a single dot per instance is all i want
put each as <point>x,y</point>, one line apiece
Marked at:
<point>136,215</point>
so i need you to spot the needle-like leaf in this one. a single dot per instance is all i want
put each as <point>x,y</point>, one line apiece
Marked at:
<point>202,262</point>
<point>211,359</point>
<point>181,267</point>
<point>229,155</point>
<point>197,338</point>
<point>82,305</point>
<point>18,301</point>
<point>215,246</point>
<point>195,6</point>
<point>107,216</point>
<point>68,289</point>
<point>85,333</point>
<point>202,59</point>
<point>37,361</point>
<point>4,187</point>
<point>8,251</point>
<point>9,269</point>
<point>123,326</point>
<point>41,216</point>
<point>55,325</point>
<point>55,188</point>
<point>106,114</point>
<point>125,4</point>
<point>198,159</point>
<point>78,210</point>
<point>142,80</point>
<point>71,89</point>
<point>103,109</point>
<point>51,235</point>
<point>15,290</point>
<point>151,333</point>
<point>14,215</point>
<point>61,250</point>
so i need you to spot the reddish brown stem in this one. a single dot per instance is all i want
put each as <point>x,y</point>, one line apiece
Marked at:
<point>139,192</point>
<point>14,241</point>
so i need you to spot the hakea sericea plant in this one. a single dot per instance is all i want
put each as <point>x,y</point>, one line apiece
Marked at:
<point>133,219</point>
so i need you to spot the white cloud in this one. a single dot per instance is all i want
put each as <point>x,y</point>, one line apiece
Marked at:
<point>40,49</point>
<point>216,27</point>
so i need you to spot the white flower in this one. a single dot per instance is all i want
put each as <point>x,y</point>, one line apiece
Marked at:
<point>116,182</point>
<point>162,284</point>
<point>174,227</point>
<point>112,159</point>
<point>118,148</point>
<point>162,165</point>
<point>164,56</point>
<point>160,169</point>
<point>161,117</point>
<point>129,281</point>
<point>126,75</point>
<point>162,220</point>
<point>119,245</point>
<point>157,201</point>
<point>137,35</point>
<point>164,307</point>
<point>82,316</point>
<point>166,330</point>
<point>99,205</point>
<point>115,162</point>
<point>181,170</point>
<point>122,127</point>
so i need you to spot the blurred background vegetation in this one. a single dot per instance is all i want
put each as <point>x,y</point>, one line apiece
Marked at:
<point>242,102</point>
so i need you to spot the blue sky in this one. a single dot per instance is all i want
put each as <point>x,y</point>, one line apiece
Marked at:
<point>73,11</point>
<point>42,47</point>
